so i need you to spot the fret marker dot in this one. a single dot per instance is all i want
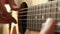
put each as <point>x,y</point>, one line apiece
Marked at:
<point>35,17</point>
<point>59,9</point>
<point>42,17</point>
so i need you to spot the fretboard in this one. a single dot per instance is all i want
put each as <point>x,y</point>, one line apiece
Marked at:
<point>36,15</point>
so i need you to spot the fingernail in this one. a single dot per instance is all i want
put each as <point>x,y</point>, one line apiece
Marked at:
<point>49,20</point>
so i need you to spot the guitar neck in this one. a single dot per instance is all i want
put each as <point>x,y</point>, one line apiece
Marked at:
<point>36,15</point>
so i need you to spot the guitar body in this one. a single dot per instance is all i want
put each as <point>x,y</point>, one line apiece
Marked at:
<point>31,32</point>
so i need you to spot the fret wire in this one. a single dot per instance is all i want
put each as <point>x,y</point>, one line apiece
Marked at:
<point>40,19</point>
<point>31,16</point>
<point>56,9</point>
<point>35,15</point>
<point>37,23</point>
<point>42,13</point>
<point>40,27</point>
<point>50,8</point>
<point>39,11</point>
<point>32,19</point>
<point>35,18</point>
<point>45,12</point>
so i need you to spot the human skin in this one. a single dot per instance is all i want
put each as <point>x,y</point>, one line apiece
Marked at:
<point>48,27</point>
<point>5,16</point>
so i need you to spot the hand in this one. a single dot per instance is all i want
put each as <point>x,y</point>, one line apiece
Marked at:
<point>48,27</point>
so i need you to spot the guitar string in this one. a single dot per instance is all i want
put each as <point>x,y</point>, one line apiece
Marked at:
<point>39,9</point>
<point>41,13</point>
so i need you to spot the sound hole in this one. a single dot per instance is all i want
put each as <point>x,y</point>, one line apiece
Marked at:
<point>22,23</point>
<point>51,0</point>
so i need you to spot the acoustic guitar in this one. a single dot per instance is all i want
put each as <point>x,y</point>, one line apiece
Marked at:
<point>37,14</point>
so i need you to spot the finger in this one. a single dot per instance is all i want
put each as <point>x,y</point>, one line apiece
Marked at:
<point>43,24</point>
<point>49,26</point>
<point>49,22</point>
